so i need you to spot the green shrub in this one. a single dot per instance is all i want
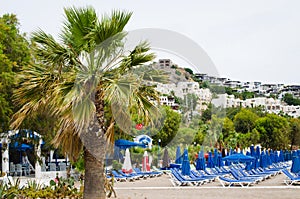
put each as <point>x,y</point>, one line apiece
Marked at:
<point>116,165</point>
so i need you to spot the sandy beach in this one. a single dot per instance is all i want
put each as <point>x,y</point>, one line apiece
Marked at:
<point>161,188</point>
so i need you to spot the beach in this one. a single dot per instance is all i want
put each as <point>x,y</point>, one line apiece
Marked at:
<point>162,188</point>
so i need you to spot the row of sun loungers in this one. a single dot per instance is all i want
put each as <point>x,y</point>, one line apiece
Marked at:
<point>234,175</point>
<point>136,175</point>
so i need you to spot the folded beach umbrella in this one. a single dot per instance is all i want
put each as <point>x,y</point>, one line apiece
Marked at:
<point>145,163</point>
<point>268,158</point>
<point>186,167</point>
<point>210,161</point>
<point>249,164</point>
<point>281,156</point>
<point>216,157</point>
<point>295,164</point>
<point>200,162</point>
<point>276,156</point>
<point>178,159</point>
<point>127,167</point>
<point>272,157</point>
<point>252,151</point>
<point>229,152</point>
<point>220,160</point>
<point>263,160</point>
<point>117,154</point>
<point>166,162</point>
<point>257,152</point>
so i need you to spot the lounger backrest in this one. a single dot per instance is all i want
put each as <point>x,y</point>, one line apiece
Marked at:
<point>288,174</point>
<point>115,173</point>
<point>234,173</point>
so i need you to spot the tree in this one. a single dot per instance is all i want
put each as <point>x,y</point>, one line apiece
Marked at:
<point>190,71</point>
<point>80,79</point>
<point>290,100</point>
<point>294,131</point>
<point>214,131</point>
<point>170,127</point>
<point>14,53</point>
<point>228,127</point>
<point>274,131</point>
<point>184,136</point>
<point>206,115</point>
<point>244,121</point>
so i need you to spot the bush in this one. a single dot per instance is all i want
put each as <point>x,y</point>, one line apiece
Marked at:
<point>59,188</point>
<point>116,165</point>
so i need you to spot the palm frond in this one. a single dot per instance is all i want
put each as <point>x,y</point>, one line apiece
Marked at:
<point>48,51</point>
<point>78,25</point>
<point>110,26</point>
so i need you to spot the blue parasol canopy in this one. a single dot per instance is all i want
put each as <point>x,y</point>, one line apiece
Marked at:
<point>239,157</point>
<point>186,168</point>
<point>124,144</point>
<point>21,147</point>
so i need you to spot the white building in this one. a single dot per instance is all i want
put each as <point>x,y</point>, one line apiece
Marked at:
<point>271,105</point>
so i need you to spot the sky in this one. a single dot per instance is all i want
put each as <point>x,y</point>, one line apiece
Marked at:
<point>249,40</point>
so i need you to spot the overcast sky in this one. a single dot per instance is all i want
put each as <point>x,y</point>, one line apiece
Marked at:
<point>248,40</point>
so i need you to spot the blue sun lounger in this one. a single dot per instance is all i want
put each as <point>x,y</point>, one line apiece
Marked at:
<point>118,176</point>
<point>291,178</point>
<point>180,180</point>
<point>238,176</point>
<point>228,182</point>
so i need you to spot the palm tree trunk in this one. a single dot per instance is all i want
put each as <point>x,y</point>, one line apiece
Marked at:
<point>94,154</point>
<point>94,176</point>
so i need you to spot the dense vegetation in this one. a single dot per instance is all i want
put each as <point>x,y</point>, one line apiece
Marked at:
<point>290,100</point>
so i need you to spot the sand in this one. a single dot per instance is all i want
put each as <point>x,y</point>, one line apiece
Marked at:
<point>161,188</point>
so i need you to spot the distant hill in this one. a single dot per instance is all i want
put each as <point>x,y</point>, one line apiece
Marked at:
<point>175,73</point>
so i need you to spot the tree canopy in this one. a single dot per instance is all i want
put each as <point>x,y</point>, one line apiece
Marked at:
<point>14,54</point>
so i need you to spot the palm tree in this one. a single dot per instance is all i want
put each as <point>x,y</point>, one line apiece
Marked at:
<point>80,79</point>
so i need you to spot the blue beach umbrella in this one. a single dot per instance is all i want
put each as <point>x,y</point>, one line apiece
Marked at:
<point>263,160</point>
<point>117,154</point>
<point>257,152</point>
<point>238,157</point>
<point>252,151</point>
<point>186,168</point>
<point>249,164</point>
<point>257,161</point>
<point>276,156</point>
<point>220,160</point>
<point>227,163</point>
<point>268,158</point>
<point>295,164</point>
<point>210,161</point>
<point>124,144</point>
<point>200,162</point>
<point>21,147</point>
<point>178,159</point>
<point>216,157</point>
